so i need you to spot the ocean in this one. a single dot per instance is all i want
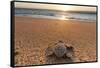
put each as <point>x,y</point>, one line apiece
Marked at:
<point>54,14</point>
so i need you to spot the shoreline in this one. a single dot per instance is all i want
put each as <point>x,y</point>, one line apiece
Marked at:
<point>55,18</point>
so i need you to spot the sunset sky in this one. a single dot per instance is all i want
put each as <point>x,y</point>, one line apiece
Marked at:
<point>54,7</point>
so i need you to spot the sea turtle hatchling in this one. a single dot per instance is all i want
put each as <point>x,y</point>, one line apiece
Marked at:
<point>60,49</point>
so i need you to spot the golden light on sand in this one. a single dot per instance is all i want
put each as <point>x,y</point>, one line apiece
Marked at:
<point>34,35</point>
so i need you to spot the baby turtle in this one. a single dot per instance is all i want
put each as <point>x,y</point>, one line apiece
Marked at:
<point>60,49</point>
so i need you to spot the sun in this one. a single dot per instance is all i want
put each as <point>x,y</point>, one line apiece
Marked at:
<point>65,8</point>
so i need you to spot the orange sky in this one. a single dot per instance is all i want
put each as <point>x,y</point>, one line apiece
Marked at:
<point>54,7</point>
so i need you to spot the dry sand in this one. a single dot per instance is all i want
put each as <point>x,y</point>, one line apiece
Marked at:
<point>34,35</point>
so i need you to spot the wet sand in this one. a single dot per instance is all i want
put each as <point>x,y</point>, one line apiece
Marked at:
<point>34,35</point>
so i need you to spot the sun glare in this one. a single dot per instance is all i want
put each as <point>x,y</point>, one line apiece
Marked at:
<point>63,17</point>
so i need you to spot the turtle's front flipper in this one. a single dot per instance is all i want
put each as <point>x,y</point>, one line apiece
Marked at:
<point>49,51</point>
<point>70,52</point>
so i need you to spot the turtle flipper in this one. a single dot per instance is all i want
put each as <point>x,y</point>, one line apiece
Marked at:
<point>70,51</point>
<point>49,51</point>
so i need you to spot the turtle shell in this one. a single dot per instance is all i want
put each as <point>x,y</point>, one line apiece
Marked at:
<point>59,50</point>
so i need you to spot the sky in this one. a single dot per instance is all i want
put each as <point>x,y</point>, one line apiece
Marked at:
<point>54,7</point>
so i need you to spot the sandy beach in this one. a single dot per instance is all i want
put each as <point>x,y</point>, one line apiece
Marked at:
<point>34,35</point>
